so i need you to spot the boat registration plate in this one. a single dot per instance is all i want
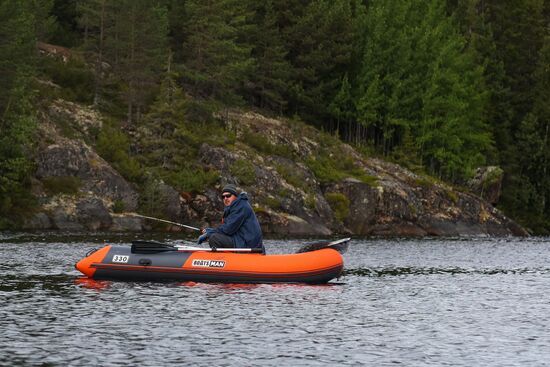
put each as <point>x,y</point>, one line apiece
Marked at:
<point>121,258</point>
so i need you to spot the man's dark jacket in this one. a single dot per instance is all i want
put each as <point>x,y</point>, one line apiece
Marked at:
<point>240,222</point>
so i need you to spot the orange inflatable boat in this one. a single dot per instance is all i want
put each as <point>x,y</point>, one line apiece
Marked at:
<point>314,263</point>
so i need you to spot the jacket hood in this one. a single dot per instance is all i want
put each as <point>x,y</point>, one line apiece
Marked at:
<point>238,201</point>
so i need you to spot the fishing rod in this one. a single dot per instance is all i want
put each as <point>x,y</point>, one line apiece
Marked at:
<point>167,221</point>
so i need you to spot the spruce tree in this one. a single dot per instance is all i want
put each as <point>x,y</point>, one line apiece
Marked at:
<point>533,146</point>
<point>321,45</point>
<point>391,77</point>
<point>454,135</point>
<point>343,109</point>
<point>418,79</point>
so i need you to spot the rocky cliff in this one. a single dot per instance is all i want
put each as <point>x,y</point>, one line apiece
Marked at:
<point>301,183</point>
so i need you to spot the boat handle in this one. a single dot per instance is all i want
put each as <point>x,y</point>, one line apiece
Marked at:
<point>145,262</point>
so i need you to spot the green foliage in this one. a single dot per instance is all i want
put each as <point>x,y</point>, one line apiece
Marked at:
<point>62,184</point>
<point>438,86</point>
<point>114,146</point>
<point>44,22</point>
<point>216,61</point>
<point>324,169</point>
<point>321,39</point>
<point>244,171</point>
<point>291,176</point>
<point>118,206</point>
<point>493,177</point>
<point>152,199</point>
<point>260,210</point>
<point>336,167</point>
<point>310,201</point>
<point>263,145</point>
<point>339,204</point>
<point>17,112</point>
<point>452,196</point>
<point>210,133</point>
<point>529,186</point>
<point>273,203</point>
<point>192,179</point>
<point>417,78</point>
<point>131,37</point>
<point>74,77</point>
<point>271,76</point>
<point>65,32</point>
<point>16,137</point>
<point>342,108</point>
<point>16,47</point>
<point>424,181</point>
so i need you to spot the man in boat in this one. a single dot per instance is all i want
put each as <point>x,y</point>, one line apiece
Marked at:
<point>240,227</point>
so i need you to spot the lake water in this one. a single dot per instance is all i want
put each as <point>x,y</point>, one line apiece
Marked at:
<point>429,302</point>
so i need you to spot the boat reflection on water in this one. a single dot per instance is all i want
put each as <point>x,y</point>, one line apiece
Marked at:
<point>92,283</point>
<point>106,284</point>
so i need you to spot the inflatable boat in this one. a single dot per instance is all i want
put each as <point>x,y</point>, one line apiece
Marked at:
<point>314,263</point>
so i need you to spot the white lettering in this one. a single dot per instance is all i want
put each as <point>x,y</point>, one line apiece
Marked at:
<point>208,263</point>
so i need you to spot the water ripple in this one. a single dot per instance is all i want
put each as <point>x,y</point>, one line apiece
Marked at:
<point>476,302</point>
<point>398,271</point>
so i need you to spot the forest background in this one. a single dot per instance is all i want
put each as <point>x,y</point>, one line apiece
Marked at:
<point>439,86</point>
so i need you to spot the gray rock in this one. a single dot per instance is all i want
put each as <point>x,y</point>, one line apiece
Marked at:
<point>286,195</point>
<point>38,221</point>
<point>125,223</point>
<point>75,158</point>
<point>363,204</point>
<point>84,120</point>
<point>66,221</point>
<point>289,225</point>
<point>171,200</point>
<point>93,214</point>
<point>399,208</point>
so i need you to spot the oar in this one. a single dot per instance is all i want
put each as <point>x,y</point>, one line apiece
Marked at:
<point>166,221</point>
<point>339,245</point>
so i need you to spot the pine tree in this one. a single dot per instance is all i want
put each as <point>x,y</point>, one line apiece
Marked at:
<point>141,47</point>
<point>97,20</point>
<point>270,79</point>
<point>128,39</point>
<point>216,60</point>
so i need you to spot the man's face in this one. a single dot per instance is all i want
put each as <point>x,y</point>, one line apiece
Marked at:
<point>228,198</point>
